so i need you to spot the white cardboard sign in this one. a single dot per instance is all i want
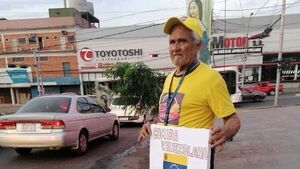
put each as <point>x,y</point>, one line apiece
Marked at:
<point>179,148</point>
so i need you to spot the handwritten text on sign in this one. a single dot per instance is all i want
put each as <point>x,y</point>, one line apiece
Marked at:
<point>179,147</point>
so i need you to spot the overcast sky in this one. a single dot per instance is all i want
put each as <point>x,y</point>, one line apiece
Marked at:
<point>129,12</point>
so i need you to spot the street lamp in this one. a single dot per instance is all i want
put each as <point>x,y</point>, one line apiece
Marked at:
<point>244,58</point>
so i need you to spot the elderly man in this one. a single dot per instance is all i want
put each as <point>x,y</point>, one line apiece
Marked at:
<point>193,94</point>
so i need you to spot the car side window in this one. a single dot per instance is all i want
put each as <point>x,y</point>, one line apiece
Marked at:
<point>83,106</point>
<point>95,107</point>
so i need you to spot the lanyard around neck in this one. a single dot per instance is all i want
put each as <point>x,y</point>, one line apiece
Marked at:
<point>172,96</point>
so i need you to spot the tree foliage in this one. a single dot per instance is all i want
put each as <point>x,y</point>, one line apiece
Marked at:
<point>136,82</point>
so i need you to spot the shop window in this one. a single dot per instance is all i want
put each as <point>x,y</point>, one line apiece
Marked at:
<point>11,65</point>
<point>21,41</point>
<point>32,40</point>
<point>67,69</point>
<point>44,58</point>
<point>269,73</point>
<point>71,39</point>
<point>288,74</point>
<point>23,66</point>
<point>18,59</point>
<point>251,75</point>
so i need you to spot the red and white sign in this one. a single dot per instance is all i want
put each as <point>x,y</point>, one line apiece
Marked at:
<point>86,54</point>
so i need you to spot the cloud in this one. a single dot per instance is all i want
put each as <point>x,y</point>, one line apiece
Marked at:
<point>18,9</point>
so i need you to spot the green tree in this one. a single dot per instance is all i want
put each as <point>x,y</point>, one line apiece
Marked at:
<point>136,83</point>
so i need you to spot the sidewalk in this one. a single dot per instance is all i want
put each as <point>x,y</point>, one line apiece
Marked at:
<point>268,139</point>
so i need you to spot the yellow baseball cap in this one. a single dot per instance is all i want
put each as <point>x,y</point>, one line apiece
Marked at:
<point>189,22</point>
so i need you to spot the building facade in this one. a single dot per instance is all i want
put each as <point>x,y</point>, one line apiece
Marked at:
<point>99,49</point>
<point>38,56</point>
<point>258,52</point>
<point>67,53</point>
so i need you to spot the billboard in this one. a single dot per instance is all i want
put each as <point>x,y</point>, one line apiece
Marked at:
<point>202,9</point>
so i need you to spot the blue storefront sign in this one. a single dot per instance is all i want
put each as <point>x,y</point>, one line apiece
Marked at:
<point>18,75</point>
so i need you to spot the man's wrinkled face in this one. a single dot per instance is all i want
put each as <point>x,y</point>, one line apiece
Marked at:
<point>182,48</point>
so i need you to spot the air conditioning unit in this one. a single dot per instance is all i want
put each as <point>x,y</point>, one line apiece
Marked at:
<point>64,32</point>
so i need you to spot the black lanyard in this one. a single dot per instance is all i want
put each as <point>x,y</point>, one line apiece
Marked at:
<point>172,96</point>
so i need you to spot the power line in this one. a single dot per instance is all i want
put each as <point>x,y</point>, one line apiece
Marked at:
<point>256,12</point>
<point>249,9</point>
<point>100,37</point>
<point>138,13</point>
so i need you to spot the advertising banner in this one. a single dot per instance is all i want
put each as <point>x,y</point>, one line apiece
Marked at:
<point>18,75</point>
<point>202,10</point>
<point>179,148</point>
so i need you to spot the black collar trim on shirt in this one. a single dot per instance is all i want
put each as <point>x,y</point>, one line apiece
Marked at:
<point>190,71</point>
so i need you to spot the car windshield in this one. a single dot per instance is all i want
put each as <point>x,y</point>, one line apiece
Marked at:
<point>46,105</point>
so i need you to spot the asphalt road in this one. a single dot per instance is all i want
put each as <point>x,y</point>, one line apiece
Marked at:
<point>64,159</point>
<point>283,100</point>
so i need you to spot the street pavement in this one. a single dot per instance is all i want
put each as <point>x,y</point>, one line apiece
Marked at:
<point>268,139</point>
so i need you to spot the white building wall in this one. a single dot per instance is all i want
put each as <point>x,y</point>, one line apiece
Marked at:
<point>290,42</point>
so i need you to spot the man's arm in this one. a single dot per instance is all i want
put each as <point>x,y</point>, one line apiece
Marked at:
<point>145,131</point>
<point>219,136</point>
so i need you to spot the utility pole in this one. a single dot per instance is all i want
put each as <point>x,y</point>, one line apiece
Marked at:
<point>244,58</point>
<point>39,79</point>
<point>37,73</point>
<point>65,3</point>
<point>279,62</point>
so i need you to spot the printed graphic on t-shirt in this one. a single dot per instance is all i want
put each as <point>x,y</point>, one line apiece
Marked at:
<point>174,114</point>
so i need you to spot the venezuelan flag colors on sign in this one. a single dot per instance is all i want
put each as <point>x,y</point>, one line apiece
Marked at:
<point>174,161</point>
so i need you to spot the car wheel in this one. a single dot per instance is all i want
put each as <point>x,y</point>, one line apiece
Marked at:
<point>82,144</point>
<point>23,151</point>
<point>115,132</point>
<point>257,99</point>
<point>272,92</point>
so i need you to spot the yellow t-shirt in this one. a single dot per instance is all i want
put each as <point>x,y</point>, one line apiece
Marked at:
<point>202,96</point>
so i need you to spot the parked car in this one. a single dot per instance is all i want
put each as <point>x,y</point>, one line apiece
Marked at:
<point>266,87</point>
<point>255,96</point>
<point>131,114</point>
<point>56,121</point>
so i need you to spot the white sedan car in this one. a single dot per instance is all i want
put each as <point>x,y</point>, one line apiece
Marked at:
<point>127,115</point>
<point>57,121</point>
